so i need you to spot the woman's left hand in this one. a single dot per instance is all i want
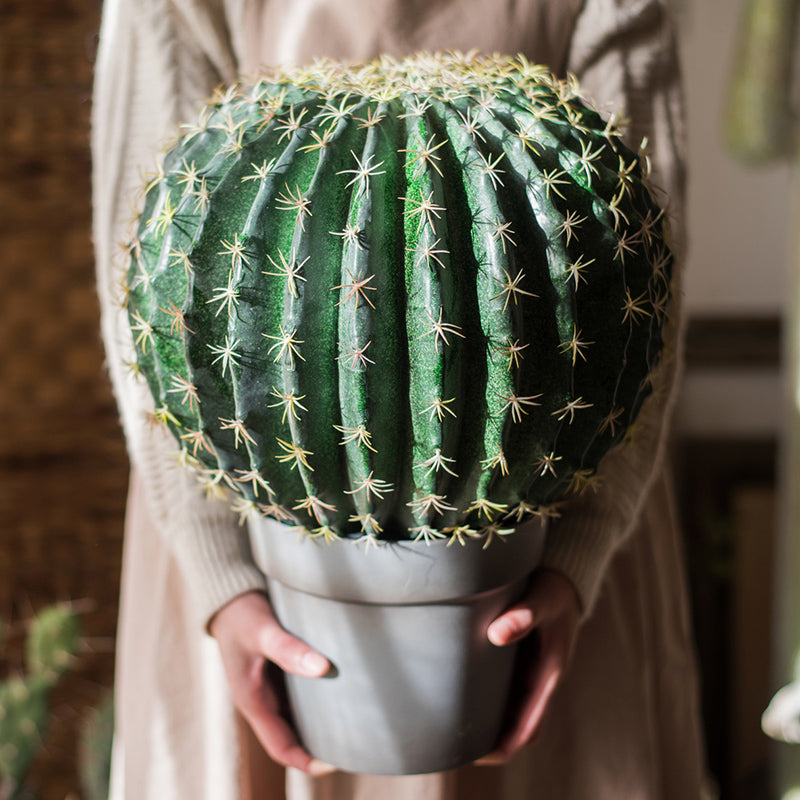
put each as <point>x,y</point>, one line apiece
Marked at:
<point>552,608</point>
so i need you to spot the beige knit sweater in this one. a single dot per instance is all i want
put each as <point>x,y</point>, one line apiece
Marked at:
<point>159,58</point>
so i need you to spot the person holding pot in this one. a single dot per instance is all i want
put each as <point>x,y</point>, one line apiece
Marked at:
<point>610,600</point>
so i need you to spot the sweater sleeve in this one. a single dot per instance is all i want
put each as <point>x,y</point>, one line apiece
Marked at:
<point>156,59</point>
<point>623,52</point>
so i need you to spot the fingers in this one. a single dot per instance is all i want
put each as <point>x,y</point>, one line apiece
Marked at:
<point>549,597</point>
<point>535,701</point>
<point>530,701</point>
<point>261,709</point>
<point>248,624</point>
<point>551,608</point>
<point>514,624</point>
<point>250,637</point>
<point>289,653</point>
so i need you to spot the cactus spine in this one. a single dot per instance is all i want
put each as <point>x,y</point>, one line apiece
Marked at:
<point>402,299</point>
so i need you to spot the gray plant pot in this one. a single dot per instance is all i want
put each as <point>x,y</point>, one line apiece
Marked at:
<point>416,686</point>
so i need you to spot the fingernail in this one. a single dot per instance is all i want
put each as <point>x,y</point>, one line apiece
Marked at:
<point>314,664</point>
<point>511,627</point>
<point>500,633</point>
<point>318,768</point>
<point>491,760</point>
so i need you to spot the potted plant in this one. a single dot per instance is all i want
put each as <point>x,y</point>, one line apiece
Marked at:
<point>408,304</point>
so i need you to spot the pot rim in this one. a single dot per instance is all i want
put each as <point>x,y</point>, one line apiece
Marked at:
<point>394,573</point>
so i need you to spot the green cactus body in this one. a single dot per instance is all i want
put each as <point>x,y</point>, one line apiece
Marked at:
<point>23,722</point>
<point>401,299</point>
<point>53,642</point>
<point>51,648</point>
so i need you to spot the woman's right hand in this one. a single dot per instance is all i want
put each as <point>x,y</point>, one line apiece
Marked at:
<point>249,636</point>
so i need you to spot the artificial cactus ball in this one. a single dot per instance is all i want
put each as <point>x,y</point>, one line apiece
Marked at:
<point>402,299</point>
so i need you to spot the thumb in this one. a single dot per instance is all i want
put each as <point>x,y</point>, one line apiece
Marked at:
<point>290,653</point>
<point>547,596</point>
<point>513,624</point>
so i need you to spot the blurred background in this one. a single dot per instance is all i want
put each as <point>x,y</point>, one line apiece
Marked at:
<point>63,466</point>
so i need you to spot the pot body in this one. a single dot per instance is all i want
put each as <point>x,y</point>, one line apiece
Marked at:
<point>415,686</point>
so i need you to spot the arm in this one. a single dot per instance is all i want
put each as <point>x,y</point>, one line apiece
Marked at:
<point>154,63</point>
<point>622,52</point>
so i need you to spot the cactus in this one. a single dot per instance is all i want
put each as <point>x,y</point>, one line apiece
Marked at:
<point>403,299</point>
<point>53,642</point>
<point>23,721</point>
<point>94,749</point>
<point>51,647</point>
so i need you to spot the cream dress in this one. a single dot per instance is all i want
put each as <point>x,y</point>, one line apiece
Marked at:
<point>625,722</point>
